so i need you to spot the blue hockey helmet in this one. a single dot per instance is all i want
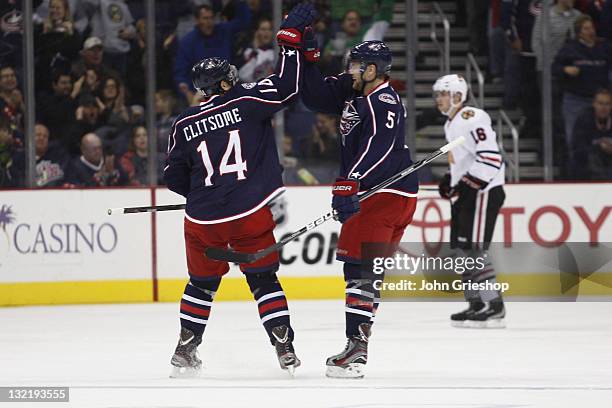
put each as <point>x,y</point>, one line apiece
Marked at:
<point>372,52</point>
<point>207,75</point>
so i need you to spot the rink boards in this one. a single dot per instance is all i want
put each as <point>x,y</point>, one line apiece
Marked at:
<point>60,246</point>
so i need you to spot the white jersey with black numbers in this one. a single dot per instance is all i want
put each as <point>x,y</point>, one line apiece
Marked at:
<point>479,155</point>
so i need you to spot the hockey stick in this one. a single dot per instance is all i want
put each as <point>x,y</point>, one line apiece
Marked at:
<point>229,255</point>
<point>156,208</point>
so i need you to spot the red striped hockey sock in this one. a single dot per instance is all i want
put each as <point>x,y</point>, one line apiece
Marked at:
<point>271,301</point>
<point>196,303</point>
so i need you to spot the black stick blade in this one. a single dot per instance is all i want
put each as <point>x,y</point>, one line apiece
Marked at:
<point>228,255</point>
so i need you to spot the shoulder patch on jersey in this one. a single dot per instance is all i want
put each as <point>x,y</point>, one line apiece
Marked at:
<point>249,85</point>
<point>468,113</point>
<point>385,97</point>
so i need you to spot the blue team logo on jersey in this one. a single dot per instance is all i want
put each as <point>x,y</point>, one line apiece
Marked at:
<point>350,119</point>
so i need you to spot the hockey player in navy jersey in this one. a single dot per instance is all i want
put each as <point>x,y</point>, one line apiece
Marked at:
<point>223,158</point>
<point>475,186</point>
<point>372,150</point>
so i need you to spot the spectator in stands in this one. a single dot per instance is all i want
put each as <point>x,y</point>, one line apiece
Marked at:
<point>88,85</point>
<point>260,9</point>
<point>51,160</point>
<point>601,12</point>
<point>113,23</point>
<point>562,18</point>
<point>135,161</point>
<point>353,32</point>
<point>517,19</point>
<point>593,140</point>
<point>583,65</point>
<point>95,167</point>
<point>165,103</point>
<point>11,99</point>
<point>111,102</point>
<point>56,109</point>
<point>477,12</point>
<point>340,8</point>
<point>87,121</point>
<point>92,57</point>
<point>207,39</point>
<point>11,32</point>
<point>257,61</point>
<point>324,144</point>
<point>56,34</point>
<point>497,43</point>
<point>7,153</point>
<point>76,8</point>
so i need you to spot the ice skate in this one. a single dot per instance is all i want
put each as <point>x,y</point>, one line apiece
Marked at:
<point>459,319</point>
<point>491,316</point>
<point>185,361</point>
<point>284,349</point>
<point>351,362</point>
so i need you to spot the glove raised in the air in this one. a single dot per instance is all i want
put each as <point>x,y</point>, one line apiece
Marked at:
<point>310,46</point>
<point>292,29</point>
<point>345,200</point>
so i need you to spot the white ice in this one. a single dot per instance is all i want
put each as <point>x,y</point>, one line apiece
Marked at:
<point>551,355</point>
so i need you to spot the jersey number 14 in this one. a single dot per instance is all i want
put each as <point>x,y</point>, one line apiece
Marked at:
<point>233,146</point>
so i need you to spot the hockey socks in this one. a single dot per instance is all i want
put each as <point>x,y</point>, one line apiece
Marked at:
<point>360,306</point>
<point>271,302</point>
<point>196,303</point>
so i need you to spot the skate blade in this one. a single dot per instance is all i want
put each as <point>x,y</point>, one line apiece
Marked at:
<point>487,324</point>
<point>185,372</point>
<point>354,370</point>
<point>458,323</point>
<point>291,367</point>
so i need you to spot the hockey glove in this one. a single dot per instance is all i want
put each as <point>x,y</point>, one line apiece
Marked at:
<point>345,201</point>
<point>310,46</point>
<point>292,28</point>
<point>444,187</point>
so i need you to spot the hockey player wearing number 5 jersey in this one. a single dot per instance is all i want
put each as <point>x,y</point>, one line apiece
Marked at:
<point>372,150</point>
<point>223,158</point>
<point>475,188</point>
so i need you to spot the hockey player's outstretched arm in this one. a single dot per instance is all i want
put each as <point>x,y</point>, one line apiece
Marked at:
<point>177,171</point>
<point>381,122</point>
<point>271,94</point>
<point>325,95</point>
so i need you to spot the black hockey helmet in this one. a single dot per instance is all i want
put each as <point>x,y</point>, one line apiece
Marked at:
<point>371,53</point>
<point>207,75</point>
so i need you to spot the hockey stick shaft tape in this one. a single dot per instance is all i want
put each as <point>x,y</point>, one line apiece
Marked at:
<point>453,144</point>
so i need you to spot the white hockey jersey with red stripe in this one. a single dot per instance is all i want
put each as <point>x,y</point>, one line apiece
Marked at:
<point>479,155</point>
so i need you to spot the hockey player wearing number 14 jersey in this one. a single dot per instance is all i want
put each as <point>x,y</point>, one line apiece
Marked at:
<point>475,188</point>
<point>223,158</point>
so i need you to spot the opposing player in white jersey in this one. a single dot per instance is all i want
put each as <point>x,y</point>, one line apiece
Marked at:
<point>475,188</point>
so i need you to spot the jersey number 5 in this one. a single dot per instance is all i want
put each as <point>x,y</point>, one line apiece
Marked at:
<point>233,145</point>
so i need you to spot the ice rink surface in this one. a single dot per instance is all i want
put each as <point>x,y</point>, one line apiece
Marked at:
<point>551,355</point>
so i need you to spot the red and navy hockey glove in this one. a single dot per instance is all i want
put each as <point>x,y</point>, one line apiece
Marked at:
<point>310,46</point>
<point>345,201</point>
<point>292,28</point>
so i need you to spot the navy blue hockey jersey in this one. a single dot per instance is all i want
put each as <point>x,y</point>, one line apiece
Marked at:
<point>372,130</point>
<point>222,155</point>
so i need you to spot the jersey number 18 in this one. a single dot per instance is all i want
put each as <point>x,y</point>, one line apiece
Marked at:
<point>233,145</point>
